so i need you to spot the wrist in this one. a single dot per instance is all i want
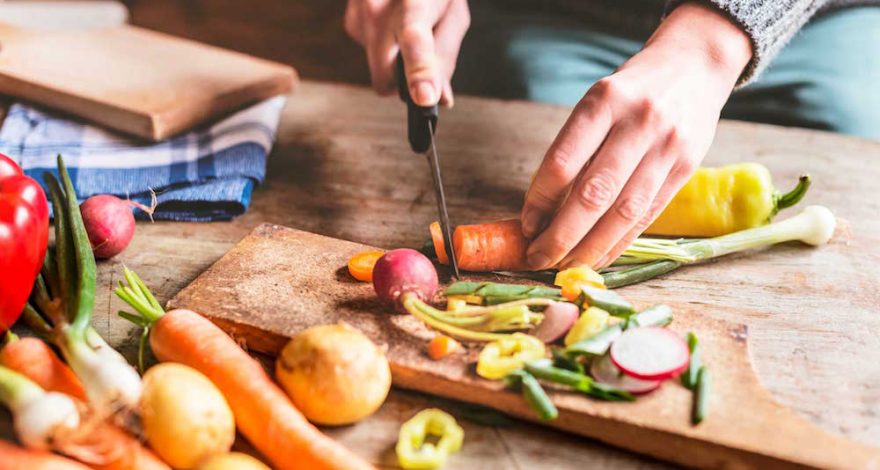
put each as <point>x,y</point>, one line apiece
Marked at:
<point>700,32</point>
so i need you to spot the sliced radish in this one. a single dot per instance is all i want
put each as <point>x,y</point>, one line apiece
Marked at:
<point>650,353</point>
<point>559,317</point>
<point>604,371</point>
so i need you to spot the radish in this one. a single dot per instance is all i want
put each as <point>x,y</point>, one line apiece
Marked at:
<point>604,371</point>
<point>559,317</point>
<point>404,273</point>
<point>652,353</point>
<point>110,223</point>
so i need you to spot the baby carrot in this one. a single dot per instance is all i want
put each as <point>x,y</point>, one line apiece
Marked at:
<point>360,266</point>
<point>493,246</point>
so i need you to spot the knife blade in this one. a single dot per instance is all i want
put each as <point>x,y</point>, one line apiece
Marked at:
<point>421,125</point>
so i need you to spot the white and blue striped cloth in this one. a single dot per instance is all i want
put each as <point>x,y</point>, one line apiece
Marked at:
<point>204,175</point>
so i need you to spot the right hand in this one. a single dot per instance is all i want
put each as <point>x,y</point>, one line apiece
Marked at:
<point>428,33</point>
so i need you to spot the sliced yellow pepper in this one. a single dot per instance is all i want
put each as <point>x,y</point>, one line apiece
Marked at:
<point>470,299</point>
<point>571,280</point>
<point>413,453</point>
<point>501,357</point>
<point>592,321</point>
<point>718,201</point>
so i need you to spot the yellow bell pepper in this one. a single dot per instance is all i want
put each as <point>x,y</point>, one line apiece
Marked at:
<point>718,201</point>
<point>592,321</point>
<point>414,453</point>
<point>500,358</point>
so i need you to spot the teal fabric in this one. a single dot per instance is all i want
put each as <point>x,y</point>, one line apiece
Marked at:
<point>827,77</point>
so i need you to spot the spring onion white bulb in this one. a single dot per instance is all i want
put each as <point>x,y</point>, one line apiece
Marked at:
<point>40,418</point>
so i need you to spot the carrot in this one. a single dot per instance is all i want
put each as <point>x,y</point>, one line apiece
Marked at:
<point>35,360</point>
<point>360,266</point>
<point>13,457</point>
<point>493,246</point>
<point>113,447</point>
<point>263,413</point>
<point>441,346</point>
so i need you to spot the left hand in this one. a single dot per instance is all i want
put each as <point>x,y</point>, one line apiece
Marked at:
<point>633,140</point>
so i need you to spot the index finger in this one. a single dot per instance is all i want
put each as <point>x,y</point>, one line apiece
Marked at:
<point>415,36</point>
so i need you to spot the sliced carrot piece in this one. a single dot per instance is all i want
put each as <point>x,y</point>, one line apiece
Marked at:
<point>361,265</point>
<point>441,346</point>
<point>439,247</point>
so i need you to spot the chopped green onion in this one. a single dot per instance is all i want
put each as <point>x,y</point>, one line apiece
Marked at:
<point>701,396</point>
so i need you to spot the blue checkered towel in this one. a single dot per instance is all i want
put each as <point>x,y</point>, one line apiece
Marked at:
<point>206,174</point>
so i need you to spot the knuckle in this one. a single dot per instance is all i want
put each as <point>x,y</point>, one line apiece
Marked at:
<point>558,165</point>
<point>632,208</point>
<point>598,191</point>
<point>604,88</point>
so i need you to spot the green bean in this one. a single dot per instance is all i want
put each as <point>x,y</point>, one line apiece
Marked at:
<point>689,377</point>
<point>607,300</point>
<point>534,394</point>
<point>597,344</point>
<point>701,395</point>
<point>639,273</point>
<point>655,315</point>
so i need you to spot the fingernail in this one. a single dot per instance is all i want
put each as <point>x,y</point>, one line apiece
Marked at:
<point>424,94</point>
<point>538,260</point>
<point>530,223</point>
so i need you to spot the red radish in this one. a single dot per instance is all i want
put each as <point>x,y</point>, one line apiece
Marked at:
<point>559,317</point>
<point>110,223</point>
<point>604,371</point>
<point>653,353</point>
<point>404,271</point>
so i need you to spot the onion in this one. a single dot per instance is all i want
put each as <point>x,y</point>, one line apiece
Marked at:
<point>559,317</point>
<point>404,271</point>
<point>41,421</point>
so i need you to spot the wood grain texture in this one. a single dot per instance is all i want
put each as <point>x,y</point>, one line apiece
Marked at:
<point>141,82</point>
<point>351,175</point>
<point>305,280</point>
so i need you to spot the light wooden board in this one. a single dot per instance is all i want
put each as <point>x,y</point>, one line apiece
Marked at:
<point>141,82</point>
<point>278,281</point>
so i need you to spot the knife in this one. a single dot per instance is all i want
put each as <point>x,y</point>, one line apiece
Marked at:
<point>421,125</point>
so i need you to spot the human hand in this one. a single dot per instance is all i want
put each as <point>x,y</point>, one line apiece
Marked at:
<point>633,140</point>
<point>428,33</point>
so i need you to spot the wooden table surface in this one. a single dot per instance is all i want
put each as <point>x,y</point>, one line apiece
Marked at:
<point>341,167</point>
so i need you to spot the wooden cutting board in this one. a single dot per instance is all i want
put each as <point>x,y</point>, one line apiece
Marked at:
<point>137,81</point>
<point>278,281</point>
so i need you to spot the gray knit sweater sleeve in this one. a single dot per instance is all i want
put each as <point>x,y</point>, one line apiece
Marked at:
<point>770,24</point>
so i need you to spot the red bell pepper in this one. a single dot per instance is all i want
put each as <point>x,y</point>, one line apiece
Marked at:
<point>24,234</point>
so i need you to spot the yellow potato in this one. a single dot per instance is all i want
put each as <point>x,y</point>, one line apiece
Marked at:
<point>185,417</point>
<point>233,461</point>
<point>334,374</point>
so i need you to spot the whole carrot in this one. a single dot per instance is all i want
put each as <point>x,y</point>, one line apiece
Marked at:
<point>493,246</point>
<point>106,447</point>
<point>263,413</point>
<point>13,457</point>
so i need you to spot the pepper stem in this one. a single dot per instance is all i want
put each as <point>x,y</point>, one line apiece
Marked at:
<point>794,196</point>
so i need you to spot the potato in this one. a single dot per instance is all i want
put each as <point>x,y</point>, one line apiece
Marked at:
<point>233,461</point>
<point>334,374</point>
<point>185,417</point>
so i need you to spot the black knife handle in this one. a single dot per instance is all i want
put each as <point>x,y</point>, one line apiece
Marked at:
<point>417,117</point>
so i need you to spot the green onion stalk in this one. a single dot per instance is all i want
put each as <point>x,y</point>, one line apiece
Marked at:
<point>61,304</point>
<point>479,323</point>
<point>647,258</point>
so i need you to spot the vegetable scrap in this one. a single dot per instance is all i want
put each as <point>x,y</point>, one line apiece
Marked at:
<point>416,452</point>
<point>503,356</point>
<point>442,346</point>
